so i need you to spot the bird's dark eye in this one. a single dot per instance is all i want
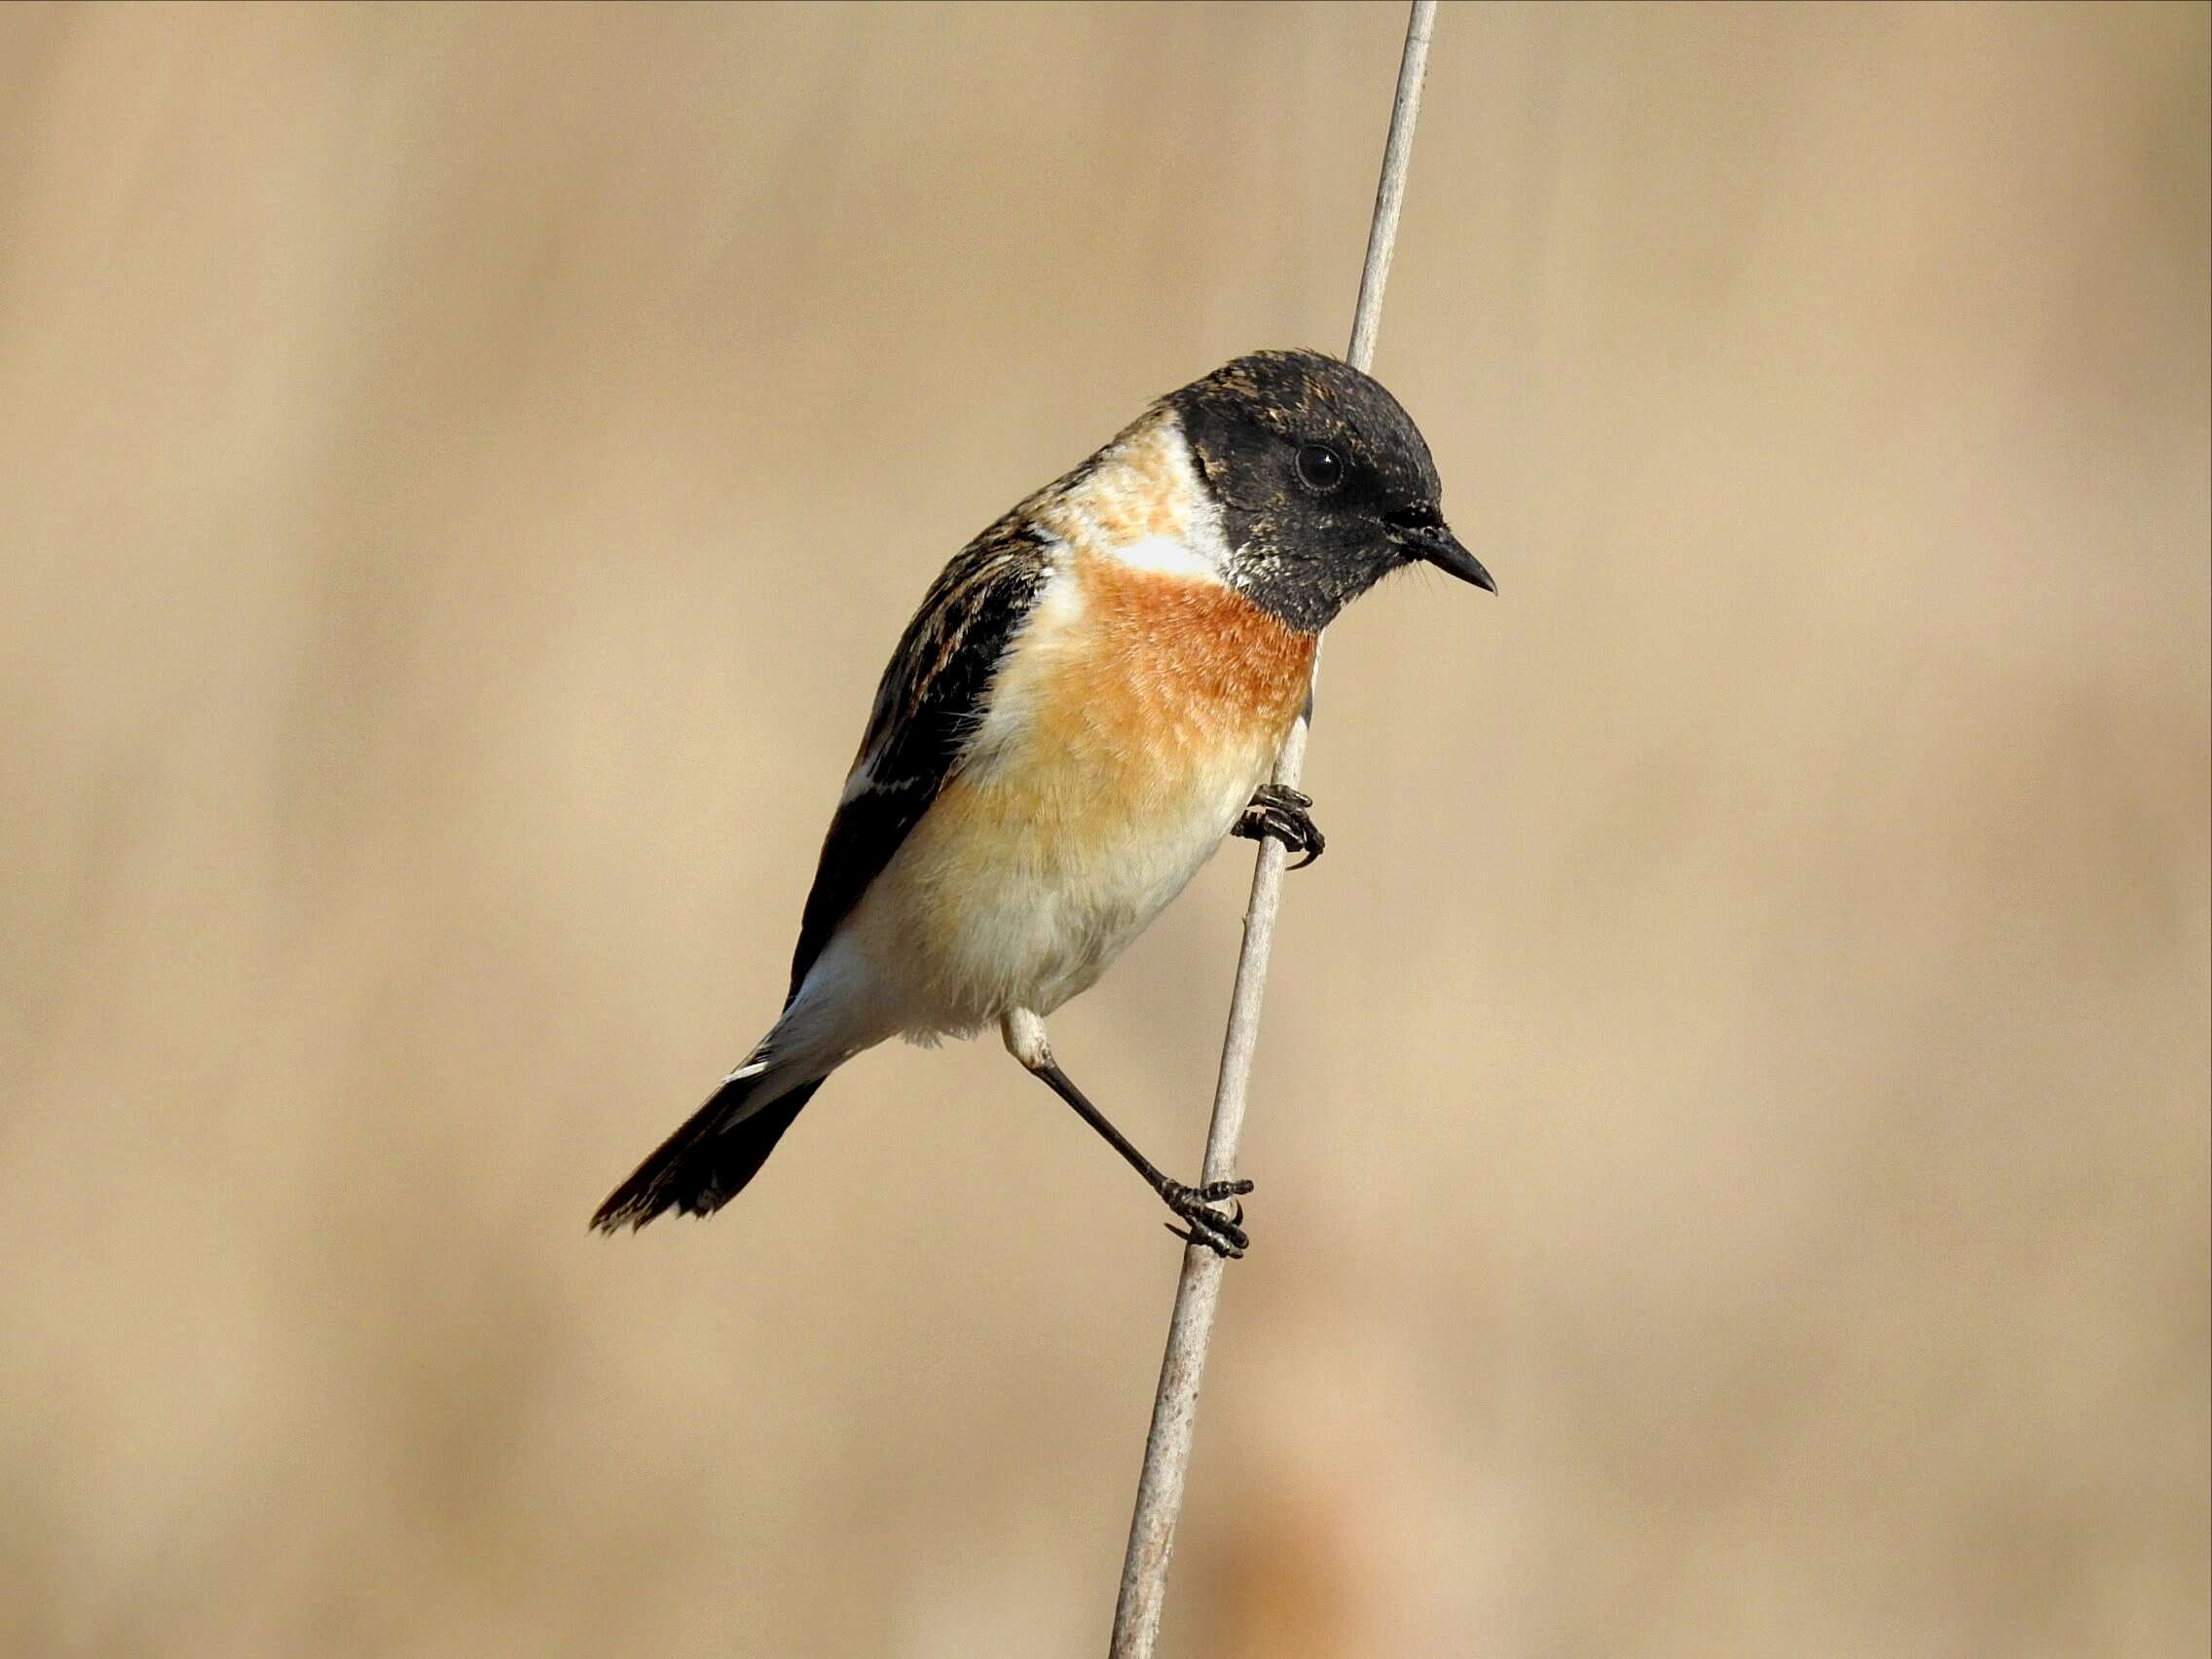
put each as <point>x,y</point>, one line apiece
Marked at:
<point>1321,468</point>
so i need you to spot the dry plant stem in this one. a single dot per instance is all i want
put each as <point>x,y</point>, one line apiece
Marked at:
<point>1167,1448</point>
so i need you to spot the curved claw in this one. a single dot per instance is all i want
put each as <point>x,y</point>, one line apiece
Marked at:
<point>1223,1234</point>
<point>1280,815</point>
<point>1221,1247</point>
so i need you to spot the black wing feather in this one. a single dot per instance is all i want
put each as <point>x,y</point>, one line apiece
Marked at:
<point>927,707</point>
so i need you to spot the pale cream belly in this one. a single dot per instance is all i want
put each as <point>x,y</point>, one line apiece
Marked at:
<point>1019,888</point>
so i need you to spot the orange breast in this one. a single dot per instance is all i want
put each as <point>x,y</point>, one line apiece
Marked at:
<point>1163,674</point>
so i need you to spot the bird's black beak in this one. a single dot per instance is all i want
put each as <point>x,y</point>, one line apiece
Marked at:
<point>1422,534</point>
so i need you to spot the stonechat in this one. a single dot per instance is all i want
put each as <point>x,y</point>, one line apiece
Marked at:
<point>1088,703</point>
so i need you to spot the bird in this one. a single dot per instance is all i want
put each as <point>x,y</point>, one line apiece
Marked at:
<point>1087,706</point>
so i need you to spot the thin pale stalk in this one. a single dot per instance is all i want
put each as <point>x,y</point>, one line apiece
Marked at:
<point>1197,1294</point>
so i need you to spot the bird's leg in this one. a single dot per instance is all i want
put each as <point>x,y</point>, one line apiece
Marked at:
<point>1223,1234</point>
<point>1281,813</point>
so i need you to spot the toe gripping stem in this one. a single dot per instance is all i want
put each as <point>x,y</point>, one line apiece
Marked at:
<point>1223,1234</point>
<point>1281,813</point>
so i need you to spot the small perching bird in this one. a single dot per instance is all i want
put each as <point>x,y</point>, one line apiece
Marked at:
<point>1086,704</point>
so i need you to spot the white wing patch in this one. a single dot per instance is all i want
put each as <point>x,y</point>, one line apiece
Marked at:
<point>863,781</point>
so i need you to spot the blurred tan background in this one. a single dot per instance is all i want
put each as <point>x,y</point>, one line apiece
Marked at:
<point>1732,1129</point>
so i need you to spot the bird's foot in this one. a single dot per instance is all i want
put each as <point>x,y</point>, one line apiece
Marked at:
<point>1281,813</point>
<point>1223,1234</point>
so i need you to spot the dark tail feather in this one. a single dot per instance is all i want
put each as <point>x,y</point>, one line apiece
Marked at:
<point>708,1161</point>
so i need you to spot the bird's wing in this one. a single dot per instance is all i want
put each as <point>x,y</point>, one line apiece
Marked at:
<point>931,701</point>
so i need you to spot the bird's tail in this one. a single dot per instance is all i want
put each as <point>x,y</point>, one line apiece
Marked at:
<point>721,1147</point>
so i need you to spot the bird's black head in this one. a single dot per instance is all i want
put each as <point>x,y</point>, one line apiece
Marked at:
<point>1326,484</point>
